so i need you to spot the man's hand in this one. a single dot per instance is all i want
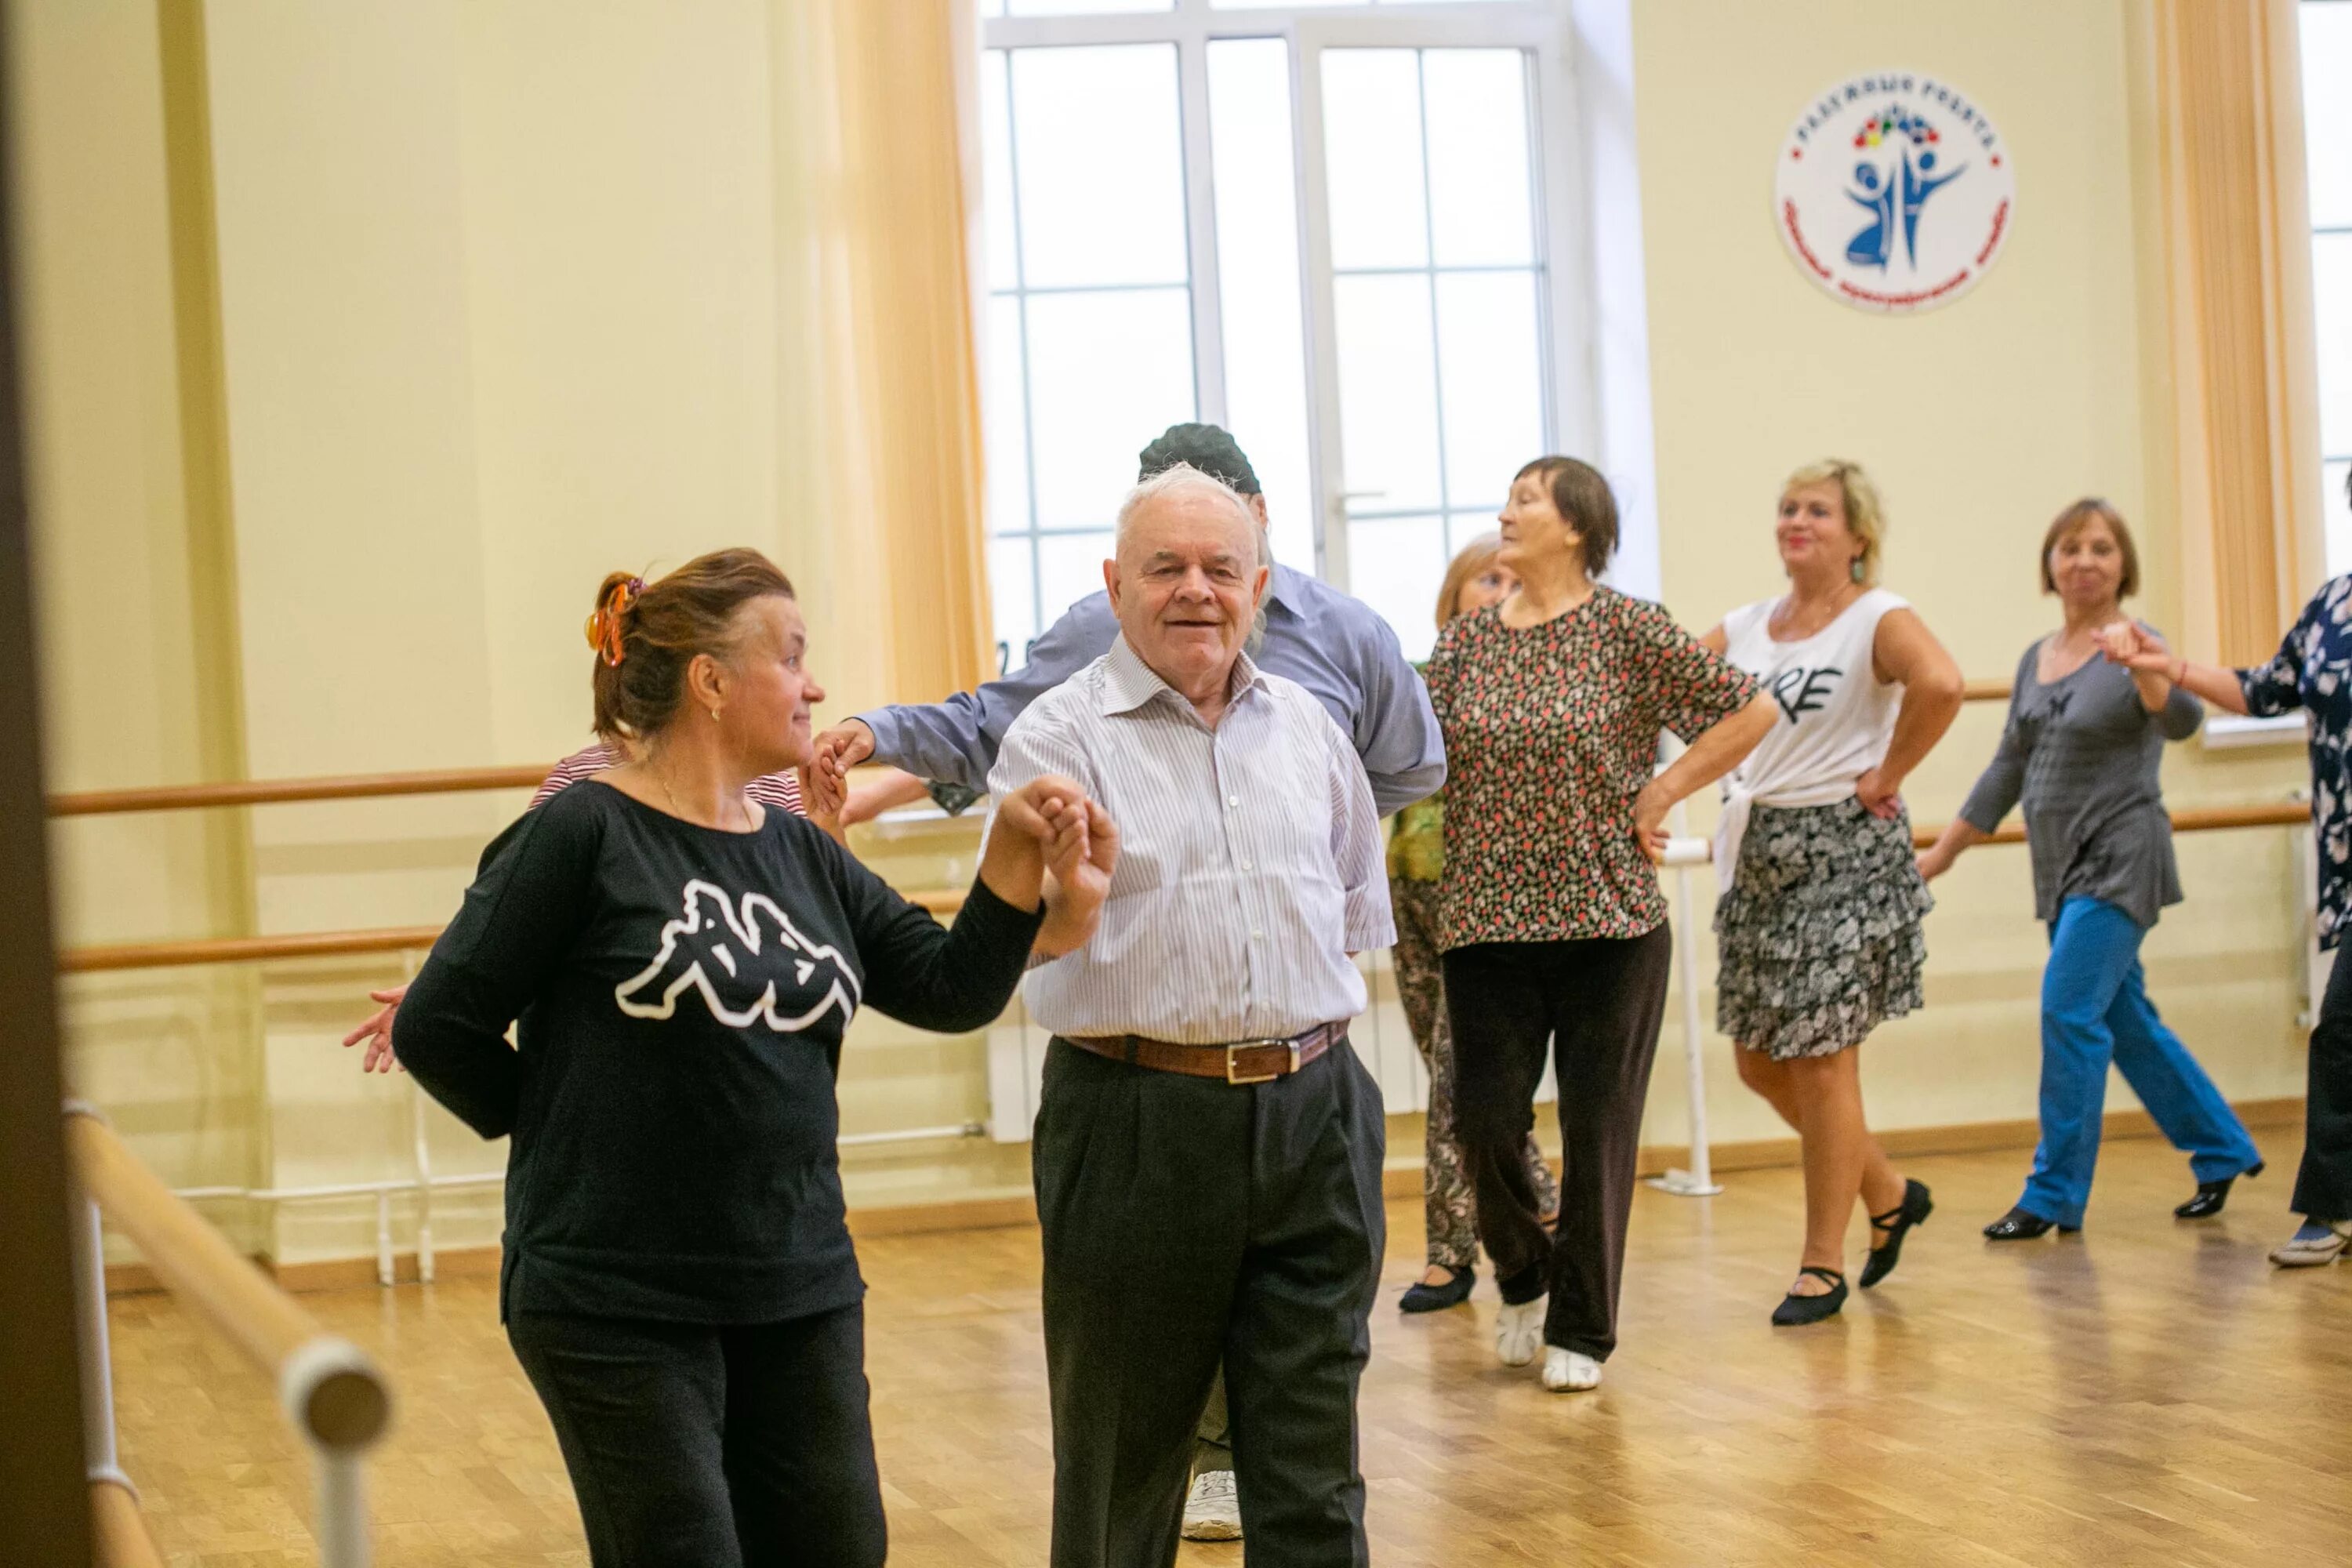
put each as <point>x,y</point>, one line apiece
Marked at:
<point>838,749</point>
<point>1077,883</point>
<point>377,1032</point>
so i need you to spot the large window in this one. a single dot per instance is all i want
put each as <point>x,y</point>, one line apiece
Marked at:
<point>2327,27</point>
<point>1327,228</point>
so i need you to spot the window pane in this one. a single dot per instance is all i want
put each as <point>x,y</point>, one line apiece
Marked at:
<point>1490,379</point>
<point>1108,372</point>
<point>2327,110</point>
<point>2331,278</point>
<point>1257,281</point>
<point>996,154</point>
<point>1099,158</point>
<point>1388,393</point>
<point>1481,203</point>
<point>1013,593</point>
<point>1069,567</point>
<point>1372,153</point>
<point>1006,429</point>
<point>1463,527</point>
<point>1395,564</point>
<point>1084,8</point>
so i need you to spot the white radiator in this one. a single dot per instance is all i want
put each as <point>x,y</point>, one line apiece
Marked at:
<point>1016,1057</point>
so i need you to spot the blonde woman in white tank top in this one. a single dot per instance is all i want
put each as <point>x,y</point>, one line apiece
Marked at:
<point>1819,920</point>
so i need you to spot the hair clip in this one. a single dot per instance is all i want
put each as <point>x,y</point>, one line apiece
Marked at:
<point>603,627</point>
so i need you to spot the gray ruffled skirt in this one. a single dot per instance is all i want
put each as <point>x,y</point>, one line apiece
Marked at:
<point>1818,940</point>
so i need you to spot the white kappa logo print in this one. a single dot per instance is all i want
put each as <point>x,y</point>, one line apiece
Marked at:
<point>766,949</point>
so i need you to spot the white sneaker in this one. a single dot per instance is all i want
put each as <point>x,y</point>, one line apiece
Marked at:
<point>1518,1332</point>
<point>1567,1371</point>
<point>1211,1510</point>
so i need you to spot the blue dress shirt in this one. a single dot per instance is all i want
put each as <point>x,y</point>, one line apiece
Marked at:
<point>1337,648</point>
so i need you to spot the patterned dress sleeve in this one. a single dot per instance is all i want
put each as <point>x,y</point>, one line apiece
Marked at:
<point>2276,688</point>
<point>1692,688</point>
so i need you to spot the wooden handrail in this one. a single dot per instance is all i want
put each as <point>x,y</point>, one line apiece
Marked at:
<point>119,1537</point>
<point>333,1390</point>
<point>322,943</point>
<point>436,781</point>
<point>271,792</point>
<point>938,901</point>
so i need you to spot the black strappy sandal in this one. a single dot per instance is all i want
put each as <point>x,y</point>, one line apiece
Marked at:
<point>1916,1206</point>
<point>1795,1311</point>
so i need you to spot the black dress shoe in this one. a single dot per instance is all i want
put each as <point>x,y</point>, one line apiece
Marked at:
<point>1916,1206</point>
<point>2212,1195</point>
<point>1424,1297</point>
<point>2024,1225</point>
<point>1795,1310</point>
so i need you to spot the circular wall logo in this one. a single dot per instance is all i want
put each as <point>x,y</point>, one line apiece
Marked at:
<point>1895,192</point>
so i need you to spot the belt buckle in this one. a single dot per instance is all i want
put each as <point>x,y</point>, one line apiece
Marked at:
<point>1233,1074</point>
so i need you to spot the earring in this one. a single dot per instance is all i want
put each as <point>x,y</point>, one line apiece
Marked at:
<point>714,713</point>
<point>1857,577</point>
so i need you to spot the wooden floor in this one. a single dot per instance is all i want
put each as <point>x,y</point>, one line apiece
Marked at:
<point>2148,1393</point>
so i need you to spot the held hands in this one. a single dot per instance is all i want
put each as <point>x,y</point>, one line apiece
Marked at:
<point>1077,881</point>
<point>377,1032</point>
<point>1880,795</point>
<point>826,782</point>
<point>2136,648</point>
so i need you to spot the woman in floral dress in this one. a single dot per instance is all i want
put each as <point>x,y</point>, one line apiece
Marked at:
<point>1553,923</point>
<point>1449,1198</point>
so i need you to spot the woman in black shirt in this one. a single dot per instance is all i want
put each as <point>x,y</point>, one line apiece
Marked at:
<point>678,1277</point>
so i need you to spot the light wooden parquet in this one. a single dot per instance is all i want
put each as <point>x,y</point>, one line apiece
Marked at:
<point>2148,1393</point>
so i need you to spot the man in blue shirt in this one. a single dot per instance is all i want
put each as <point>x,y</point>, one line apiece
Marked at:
<point>1336,647</point>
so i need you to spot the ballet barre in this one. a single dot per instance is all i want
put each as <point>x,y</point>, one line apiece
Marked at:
<point>329,1389</point>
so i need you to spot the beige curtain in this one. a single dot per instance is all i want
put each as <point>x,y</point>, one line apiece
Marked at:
<point>879,384</point>
<point>2237,262</point>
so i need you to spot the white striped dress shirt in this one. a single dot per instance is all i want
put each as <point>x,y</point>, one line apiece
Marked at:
<point>1249,861</point>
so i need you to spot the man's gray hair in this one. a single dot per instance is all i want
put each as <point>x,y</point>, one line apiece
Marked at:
<point>1177,479</point>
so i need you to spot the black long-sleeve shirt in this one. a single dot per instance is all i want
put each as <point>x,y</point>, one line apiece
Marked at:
<point>681,994</point>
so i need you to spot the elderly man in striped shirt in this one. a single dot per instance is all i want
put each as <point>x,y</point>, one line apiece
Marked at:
<point>1208,1150</point>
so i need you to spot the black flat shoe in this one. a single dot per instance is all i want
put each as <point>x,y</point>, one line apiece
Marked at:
<point>2024,1225</point>
<point>1795,1310</point>
<point>1424,1297</point>
<point>2212,1195</point>
<point>1916,1206</point>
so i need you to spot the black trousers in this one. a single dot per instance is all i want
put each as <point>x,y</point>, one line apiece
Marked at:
<point>1597,1003</point>
<point>1190,1224</point>
<point>2323,1187</point>
<point>694,1447</point>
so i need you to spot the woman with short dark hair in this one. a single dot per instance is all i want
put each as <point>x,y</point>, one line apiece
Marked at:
<point>682,962</point>
<point>1553,923</point>
<point>2081,748</point>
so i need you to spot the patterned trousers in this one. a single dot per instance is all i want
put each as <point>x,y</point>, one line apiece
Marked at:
<point>1449,1197</point>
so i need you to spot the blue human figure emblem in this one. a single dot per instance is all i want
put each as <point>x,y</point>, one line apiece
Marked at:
<point>1919,182</point>
<point>1869,248</point>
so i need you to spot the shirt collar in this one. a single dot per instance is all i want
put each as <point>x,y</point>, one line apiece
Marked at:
<point>1286,590</point>
<point>1128,683</point>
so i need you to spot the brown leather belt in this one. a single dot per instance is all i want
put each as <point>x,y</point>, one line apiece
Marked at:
<point>1243,1061</point>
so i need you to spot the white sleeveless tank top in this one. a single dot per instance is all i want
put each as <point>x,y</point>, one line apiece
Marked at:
<point>1837,716</point>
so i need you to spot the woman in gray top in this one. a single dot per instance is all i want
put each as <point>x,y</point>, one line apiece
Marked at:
<point>2080,749</point>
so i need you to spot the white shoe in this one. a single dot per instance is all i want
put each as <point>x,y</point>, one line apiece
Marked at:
<point>1567,1371</point>
<point>1211,1510</point>
<point>2314,1244</point>
<point>1518,1332</point>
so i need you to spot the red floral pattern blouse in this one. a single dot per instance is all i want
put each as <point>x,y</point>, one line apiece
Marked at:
<point>1549,734</point>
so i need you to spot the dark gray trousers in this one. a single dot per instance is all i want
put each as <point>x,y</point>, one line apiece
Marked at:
<point>1190,1224</point>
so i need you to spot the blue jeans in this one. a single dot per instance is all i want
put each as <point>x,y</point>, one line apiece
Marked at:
<point>2094,1009</point>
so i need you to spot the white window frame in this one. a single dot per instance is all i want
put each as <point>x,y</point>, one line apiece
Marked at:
<point>1575,254</point>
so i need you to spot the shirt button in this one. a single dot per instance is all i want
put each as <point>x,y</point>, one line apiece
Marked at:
<point>1235,801</point>
<point>1247,867</point>
<point>1257,935</point>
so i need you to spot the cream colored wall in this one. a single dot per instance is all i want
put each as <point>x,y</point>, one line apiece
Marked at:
<point>509,295</point>
<point>1980,421</point>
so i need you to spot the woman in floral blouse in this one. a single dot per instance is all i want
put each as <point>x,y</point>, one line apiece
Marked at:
<point>1553,924</point>
<point>1449,1198</point>
<point>2313,670</point>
